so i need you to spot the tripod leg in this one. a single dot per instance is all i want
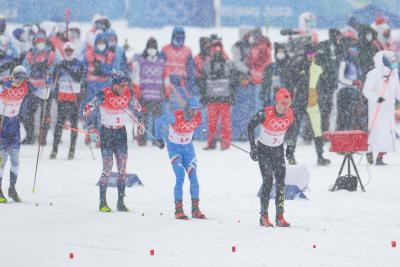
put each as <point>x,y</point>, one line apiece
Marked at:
<point>358,176</point>
<point>341,167</point>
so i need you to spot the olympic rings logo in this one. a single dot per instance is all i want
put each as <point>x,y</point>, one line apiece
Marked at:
<point>119,102</point>
<point>16,93</point>
<point>279,124</point>
<point>188,126</point>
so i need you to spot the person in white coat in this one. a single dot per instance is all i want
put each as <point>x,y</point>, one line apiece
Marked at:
<point>382,88</point>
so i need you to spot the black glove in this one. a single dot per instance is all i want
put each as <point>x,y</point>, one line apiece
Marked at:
<point>97,68</point>
<point>160,144</point>
<point>254,153</point>
<point>380,99</point>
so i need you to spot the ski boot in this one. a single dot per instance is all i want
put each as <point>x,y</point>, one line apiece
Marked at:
<point>264,221</point>
<point>53,154</point>
<point>71,153</point>
<point>370,158</point>
<point>379,161</point>
<point>211,146</point>
<point>179,213</point>
<point>323,161</point>
<point>13,194</point>
<point>281,222</point>
<point>103,207</point>
<point>291,160</point>
<point>196,213</point>
<point>3,199</point>
<point>120,204</point>
<point>27,141</point>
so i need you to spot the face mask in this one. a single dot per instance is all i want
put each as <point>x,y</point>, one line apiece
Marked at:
<point>101,47</point>
<point>251,40</point>
<point>112,43</point>
<point>369,37</point>
<point>69,56</point>
<point>311,24</point>
<point>280,55</point>
<point>40,46</point>
<point>152,52</point>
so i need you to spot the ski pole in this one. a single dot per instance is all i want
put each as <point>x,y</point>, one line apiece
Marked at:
<point>140,124</point>
<point>40,138</point>
<point>3,113</point>
<point>85,133</point>
<point>238,147</point>
<point>374,118</point>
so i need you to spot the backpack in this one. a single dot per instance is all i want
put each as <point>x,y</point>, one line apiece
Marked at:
<point>347,182</point>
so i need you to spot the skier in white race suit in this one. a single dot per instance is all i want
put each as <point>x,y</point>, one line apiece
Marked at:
<point>382,88</point>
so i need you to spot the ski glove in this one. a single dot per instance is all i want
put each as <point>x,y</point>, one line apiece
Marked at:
<point>357,83</point>
<point>93,134</point>
<point>380,99</point>
<point>87,111</point>
<point>254,154</point>
<point>160,144</point>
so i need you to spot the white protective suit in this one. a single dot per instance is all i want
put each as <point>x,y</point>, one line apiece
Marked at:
<point>382,82</point>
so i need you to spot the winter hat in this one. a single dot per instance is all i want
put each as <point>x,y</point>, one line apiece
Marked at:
<point>282,94</point>
<point>18,32</point>
<point>40,37</point>
<point>151,43</point>
<point>178,36</point>
<point>119,77</point>
<point>19,73</point>
<point>380,19</point>
<point>69,46</point>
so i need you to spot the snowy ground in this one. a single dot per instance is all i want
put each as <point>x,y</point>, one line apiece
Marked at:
<point>348,229</point>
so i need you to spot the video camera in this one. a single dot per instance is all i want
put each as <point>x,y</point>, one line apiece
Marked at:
<point>296,47</point>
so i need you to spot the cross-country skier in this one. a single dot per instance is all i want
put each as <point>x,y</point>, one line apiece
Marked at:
<point>180,124</point>
<point>113,102</point>
<point>12,93</point>
<point>39,62</point>
<point>68,77</point>
<point>269,152</point>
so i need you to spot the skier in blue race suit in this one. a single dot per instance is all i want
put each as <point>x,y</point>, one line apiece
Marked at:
<point>177,126</point>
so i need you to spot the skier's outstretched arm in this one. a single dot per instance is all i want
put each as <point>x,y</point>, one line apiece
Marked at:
<point>257,119</point>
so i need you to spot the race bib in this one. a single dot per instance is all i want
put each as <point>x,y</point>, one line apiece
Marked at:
<point>271,138</point>
<point>179,138</point>
<point>42,92</point>
<point>113,118</point>
<point>10,109</point>
<point>68,86</point>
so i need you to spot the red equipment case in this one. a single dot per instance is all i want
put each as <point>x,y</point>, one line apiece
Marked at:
<point>347,141</point>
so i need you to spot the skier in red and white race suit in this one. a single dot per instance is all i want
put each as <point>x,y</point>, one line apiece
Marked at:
<point>113,104</point>
<point>269,152</point>
<point>13,91</point>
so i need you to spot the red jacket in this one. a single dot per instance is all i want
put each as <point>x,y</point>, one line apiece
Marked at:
<point>258,59</point>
